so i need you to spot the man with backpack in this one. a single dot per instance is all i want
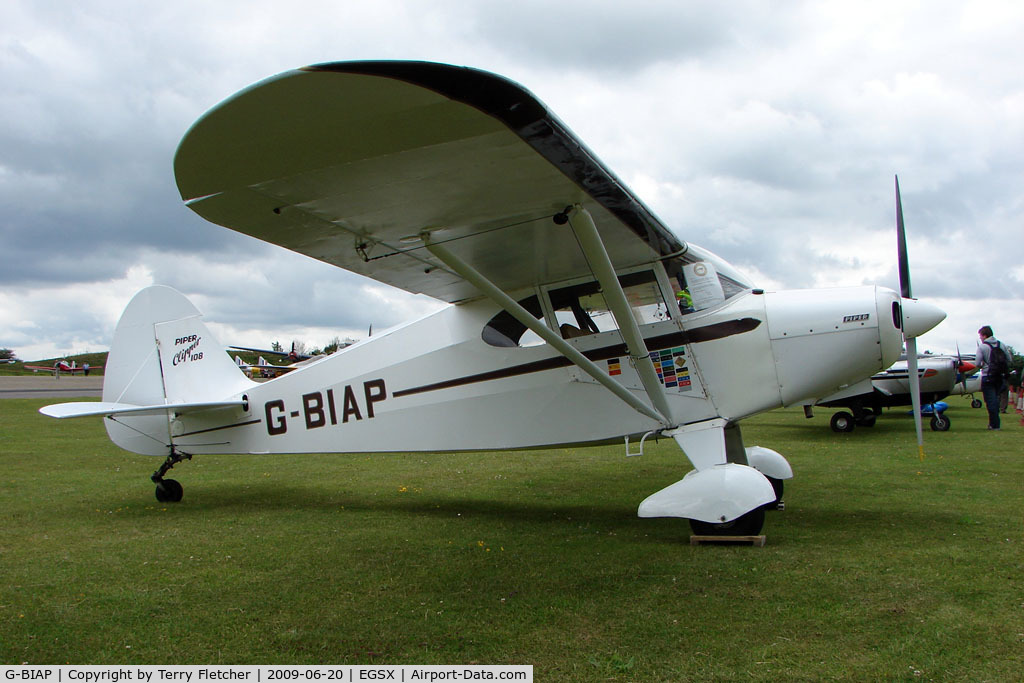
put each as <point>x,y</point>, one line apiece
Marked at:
<point>995,367</point>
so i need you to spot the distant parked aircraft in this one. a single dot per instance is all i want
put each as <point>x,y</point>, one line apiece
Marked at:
<point>70,367</point>
<point>938,376</point>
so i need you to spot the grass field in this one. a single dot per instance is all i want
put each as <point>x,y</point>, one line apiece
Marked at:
<point>882,567</point>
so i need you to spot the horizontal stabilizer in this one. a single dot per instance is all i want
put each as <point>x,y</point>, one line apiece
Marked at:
<point>97,408</point>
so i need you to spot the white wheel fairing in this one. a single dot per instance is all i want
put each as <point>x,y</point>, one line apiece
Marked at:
<point>717,494</point>
<point>769,463</point>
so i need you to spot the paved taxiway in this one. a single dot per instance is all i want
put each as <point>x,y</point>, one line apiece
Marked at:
<point>47,386</point>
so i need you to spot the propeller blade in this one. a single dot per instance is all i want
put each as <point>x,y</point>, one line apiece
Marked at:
<point>901,247</point>
<point>960,370</point>
<point>915,392</point>
<point>911,337</point>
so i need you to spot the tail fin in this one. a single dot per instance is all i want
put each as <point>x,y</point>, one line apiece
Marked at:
<point>163,353</point>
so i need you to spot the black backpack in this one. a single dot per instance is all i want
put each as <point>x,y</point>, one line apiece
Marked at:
<point>998,363</point>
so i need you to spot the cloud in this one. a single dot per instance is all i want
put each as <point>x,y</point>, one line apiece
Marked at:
<point>767,133</point>
<point>60,319</point>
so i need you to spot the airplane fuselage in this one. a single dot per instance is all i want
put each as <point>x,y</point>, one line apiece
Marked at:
<point>435,384</point>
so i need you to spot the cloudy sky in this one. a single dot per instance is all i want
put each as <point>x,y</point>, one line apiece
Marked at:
<point>768,132</point>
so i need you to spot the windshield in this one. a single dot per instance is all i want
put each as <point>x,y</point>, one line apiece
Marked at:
<point>702,280</point>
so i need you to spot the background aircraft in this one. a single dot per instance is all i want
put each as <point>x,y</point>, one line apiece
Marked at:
<point>291,355</point>
<point>261,368</point>
<point>297,360</point>
<point>461,185</point>
<point>264,368</point>
<point>892,387</point>
<point>67,367</point>
<point>968,382</point>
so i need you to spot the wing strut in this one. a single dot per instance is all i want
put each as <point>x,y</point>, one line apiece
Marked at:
<point>494,293</point>
<point>590,241</point>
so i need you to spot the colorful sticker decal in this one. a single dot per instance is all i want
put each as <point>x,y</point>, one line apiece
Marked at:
<point>672,369</point>
<point>673,372</point>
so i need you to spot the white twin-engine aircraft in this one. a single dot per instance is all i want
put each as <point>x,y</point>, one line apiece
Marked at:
<point>577,317</point>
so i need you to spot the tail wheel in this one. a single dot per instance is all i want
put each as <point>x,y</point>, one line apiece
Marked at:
<point>169,491</point>
<point>749,524</point>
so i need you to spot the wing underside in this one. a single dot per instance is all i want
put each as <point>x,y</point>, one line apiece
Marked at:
<point>350,163</point>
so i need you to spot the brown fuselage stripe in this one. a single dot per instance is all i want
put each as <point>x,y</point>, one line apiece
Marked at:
<point>694,336</point>
<point>215,429</point>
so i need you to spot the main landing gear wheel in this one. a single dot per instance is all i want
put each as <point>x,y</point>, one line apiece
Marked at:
<point>843,422</point>
<point>169,491</point>
<point>749,524</point>
<point>777,486</point>
<point>940,423</point>
<point>975,403</point>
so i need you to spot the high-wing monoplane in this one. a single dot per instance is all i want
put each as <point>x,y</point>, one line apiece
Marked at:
<point>575,316</point>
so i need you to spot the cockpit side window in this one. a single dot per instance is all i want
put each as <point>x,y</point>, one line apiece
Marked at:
<point>645,297</point>
<point>504,330</point>
<point>581,309</point>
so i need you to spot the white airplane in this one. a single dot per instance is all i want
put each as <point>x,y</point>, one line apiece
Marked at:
<point>563,328</point>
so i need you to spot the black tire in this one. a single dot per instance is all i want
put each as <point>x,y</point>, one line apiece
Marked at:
<point>749,524</point>
<point>975,403</point>
<point>169,491</point>
<point>842,422</point>
<point>777,486</point>
<point>940,423</point>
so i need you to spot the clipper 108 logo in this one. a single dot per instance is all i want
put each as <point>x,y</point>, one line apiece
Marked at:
<point>189,353</point>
